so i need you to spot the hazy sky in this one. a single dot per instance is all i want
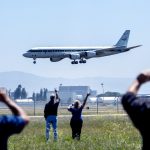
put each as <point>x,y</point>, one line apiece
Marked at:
<point>27,24</point>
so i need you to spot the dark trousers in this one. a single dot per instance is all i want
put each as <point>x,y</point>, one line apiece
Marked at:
<point>76,126</point>
<point>146,143</point>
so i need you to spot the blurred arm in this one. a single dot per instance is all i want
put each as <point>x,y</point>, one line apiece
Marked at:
<point>70,107</point>
<point>85,100</point>
<point>57,97</point>
<point>16,110</point>
<point>141,79</point>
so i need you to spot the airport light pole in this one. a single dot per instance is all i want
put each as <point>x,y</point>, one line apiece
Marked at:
<point>102,90</point>
<point>34,107</point>
<point>103,96</point>
<point>118,99</point>
<point>97,105</point>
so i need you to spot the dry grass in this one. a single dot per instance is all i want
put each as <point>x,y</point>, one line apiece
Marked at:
<point>98,133</point>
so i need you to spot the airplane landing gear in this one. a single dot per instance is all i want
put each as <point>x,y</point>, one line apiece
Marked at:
<point>34,62</point>
<point>82,61</point>
<point>74,62</point>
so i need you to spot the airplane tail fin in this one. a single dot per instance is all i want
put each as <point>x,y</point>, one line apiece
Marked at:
<point>123,41</point>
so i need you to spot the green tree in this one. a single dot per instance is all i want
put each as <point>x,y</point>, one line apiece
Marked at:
<point>41,94</point>
<point>23,93</point>
<point>34,96</point>
<point>45,94</point>
<point>17,92</point>
<point>37,97</point>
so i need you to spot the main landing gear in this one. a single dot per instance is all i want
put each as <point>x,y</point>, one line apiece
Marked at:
<point>81,61</point>
<point>74,62</point>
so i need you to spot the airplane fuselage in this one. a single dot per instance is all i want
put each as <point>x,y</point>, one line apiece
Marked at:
<point>79,53</point>
<point>48,52</point>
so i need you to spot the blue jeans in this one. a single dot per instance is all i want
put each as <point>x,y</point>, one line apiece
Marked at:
<point>51,120</point>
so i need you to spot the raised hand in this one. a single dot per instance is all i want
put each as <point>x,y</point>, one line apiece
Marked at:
<point>143,77</point>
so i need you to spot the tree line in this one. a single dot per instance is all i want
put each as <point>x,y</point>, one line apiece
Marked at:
<point>40,96</point>
<point>109,94</point>
<point>21,93</point>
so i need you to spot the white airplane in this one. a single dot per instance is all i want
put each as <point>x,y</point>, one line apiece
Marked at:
<point>79,53</point>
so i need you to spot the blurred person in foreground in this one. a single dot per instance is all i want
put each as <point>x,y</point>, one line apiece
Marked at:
<point>11,124</point>
<point>138,108</point>
<point>50,114</point>
<point>76,120</point>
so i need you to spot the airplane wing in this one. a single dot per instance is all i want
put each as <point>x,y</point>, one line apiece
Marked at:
<point>108,51</point>
<point>99,52</point>
<point>113,50</point>
<point>105,51</point>
<point>92,53</point>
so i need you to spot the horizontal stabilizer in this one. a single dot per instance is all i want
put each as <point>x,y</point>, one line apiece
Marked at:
<point>133,47</point>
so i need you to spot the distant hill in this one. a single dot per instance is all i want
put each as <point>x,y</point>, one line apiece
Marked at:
<point>32,82</point>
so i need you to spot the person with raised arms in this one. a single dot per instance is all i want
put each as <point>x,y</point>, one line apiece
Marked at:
<point>76,120</point>
<point>138,108</point>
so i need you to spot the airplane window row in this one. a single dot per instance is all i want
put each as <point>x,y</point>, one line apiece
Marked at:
<point>56,50</point>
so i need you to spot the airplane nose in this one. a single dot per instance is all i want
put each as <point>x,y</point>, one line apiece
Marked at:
<point>25,54</point>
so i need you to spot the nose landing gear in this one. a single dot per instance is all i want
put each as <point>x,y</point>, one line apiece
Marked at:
<point>34,60</point>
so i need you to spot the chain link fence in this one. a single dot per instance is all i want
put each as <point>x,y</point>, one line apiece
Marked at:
<point>92,108</point>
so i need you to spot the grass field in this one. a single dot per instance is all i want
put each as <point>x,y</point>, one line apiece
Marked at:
<point>98,133</point>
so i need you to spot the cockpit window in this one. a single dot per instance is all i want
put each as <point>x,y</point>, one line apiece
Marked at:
<point>29,51</point>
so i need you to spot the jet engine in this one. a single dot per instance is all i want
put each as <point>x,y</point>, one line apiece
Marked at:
<point>55,59</point>
<point>90,54</point>
<point>74,56</point>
